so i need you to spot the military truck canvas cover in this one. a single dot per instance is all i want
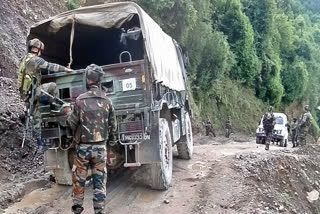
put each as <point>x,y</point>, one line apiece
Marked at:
<point>160,48</point>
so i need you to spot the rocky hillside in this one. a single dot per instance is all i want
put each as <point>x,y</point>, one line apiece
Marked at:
<point>16,17</point>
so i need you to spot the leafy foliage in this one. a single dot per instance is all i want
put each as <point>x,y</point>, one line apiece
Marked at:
<point>269,46</point>
<point>72,4</point>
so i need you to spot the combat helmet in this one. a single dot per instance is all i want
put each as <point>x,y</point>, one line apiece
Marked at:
<point>36,43</point>
<point>94,73</point>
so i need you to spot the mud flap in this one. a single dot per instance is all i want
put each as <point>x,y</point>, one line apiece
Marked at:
<point>58,161</point>
<point>148,151</point>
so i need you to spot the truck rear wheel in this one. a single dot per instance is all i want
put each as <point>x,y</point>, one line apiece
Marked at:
<point>63,175</point>
<point>185,145</point>
<point>161,173</point>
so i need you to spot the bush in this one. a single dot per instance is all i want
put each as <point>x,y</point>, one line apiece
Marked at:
<point>72,4</point>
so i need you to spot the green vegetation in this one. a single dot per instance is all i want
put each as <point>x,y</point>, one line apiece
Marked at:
<point>72,4</point>
<point>246,52</point>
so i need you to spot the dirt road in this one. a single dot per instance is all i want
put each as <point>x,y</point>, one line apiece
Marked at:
<point>212,182</point>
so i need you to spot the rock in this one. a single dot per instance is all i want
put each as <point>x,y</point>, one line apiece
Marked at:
<point>166,201</point>
<point>313,196</point>
<point>281,209</point>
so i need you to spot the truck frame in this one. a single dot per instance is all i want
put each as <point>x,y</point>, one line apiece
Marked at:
<point>148,87</point>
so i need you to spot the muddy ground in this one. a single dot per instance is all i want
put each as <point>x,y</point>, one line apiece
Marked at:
<point>16,17</point>
<point>227,176</point>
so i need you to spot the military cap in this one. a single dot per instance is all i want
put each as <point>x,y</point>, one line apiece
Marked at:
<point>94,73</point>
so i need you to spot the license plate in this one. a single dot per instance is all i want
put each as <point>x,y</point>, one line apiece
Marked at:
<point>129,84</point>
<point>132,137</point>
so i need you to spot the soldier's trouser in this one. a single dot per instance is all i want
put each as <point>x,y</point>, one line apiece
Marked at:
<point>268,139</point>
<point>302,138</point>
<point>36,122</point>
<point>93,156</point>
<point>228,132</point>
<point>294,138</point>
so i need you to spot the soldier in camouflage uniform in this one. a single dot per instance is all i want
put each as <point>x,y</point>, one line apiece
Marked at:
<point>268,125</point>
<point>93,123</point>
<point>293,127</point>
<point>228,127</point>
<point>35,66</point>
<point>209,129</point>
<point>303,126</point>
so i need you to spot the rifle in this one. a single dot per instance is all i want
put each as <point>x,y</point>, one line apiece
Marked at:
<point>52,97</point>
<point>29,111</point>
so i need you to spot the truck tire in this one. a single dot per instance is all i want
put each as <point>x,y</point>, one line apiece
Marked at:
<point>63,175</point>
<point>185,145</point>
<point>161,173</point>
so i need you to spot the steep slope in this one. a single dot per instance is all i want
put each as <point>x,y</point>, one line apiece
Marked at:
<point>16,17</point>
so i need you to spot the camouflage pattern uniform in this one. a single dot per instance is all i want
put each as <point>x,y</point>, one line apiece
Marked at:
<point>93,123</point>
<point>303,126</point>
<point>293,127</point>
<point>35,67</point>
<point>228,127</point>
<point>268,125</point>
<point>209,129</point>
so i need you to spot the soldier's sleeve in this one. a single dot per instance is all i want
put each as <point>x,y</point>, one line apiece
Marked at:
<point>112,123</point>
<point>47,67</point>
<point>74,118</point>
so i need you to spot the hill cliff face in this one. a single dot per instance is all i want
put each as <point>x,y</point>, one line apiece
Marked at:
<point>16,17</point>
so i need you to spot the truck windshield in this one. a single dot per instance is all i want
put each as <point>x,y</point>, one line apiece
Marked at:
<point>279,120</point>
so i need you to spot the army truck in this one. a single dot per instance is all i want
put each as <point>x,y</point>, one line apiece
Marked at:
<point>145,77</point>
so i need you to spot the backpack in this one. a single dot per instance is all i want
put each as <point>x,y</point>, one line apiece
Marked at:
<point>24,81</point>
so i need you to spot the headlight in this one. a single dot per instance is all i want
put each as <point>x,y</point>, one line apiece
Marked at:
<point>261,130</point>
<point>277,131</point>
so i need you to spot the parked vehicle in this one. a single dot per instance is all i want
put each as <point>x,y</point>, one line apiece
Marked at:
<point>280,132</point>
<point>260,134</point>
<point>145,77</point>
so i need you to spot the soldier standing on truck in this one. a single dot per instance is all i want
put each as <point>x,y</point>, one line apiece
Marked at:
<point>268,125</point>
<point>293,128</point>
<point>30,70</point>
<point>93,124</point>
<point>303,126</point>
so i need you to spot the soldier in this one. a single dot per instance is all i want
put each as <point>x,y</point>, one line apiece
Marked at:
<point>30,69</point>
<point>268,125</point>
<point>93,123</point>
<point>303,126</point>
<point>293,128</point>
<point>228,127</point>
<point>209,129</point>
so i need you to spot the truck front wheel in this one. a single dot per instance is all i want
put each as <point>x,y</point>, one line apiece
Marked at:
<point>161,173</point>
<point>185,145</point>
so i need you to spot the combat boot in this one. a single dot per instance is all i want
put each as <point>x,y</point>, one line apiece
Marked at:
<point>267,147</point>
<point>77,209</point>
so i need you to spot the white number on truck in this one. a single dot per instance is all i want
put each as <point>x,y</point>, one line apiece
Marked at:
<point>129,84</point>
